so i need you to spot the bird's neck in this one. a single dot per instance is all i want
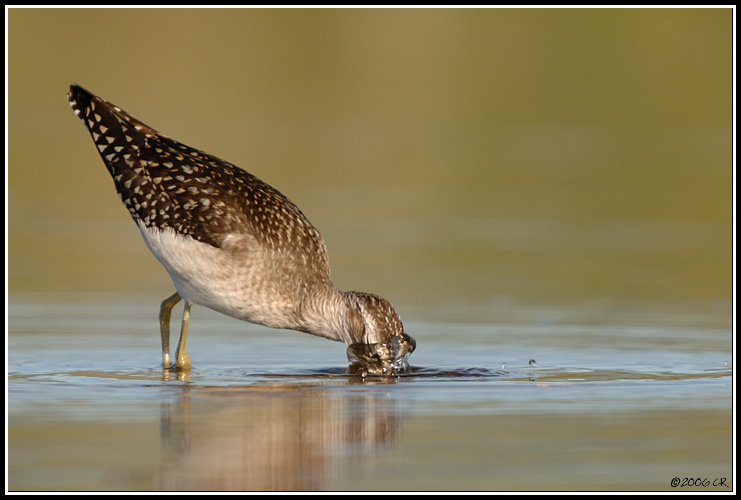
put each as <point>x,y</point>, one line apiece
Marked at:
<point>327,312</point>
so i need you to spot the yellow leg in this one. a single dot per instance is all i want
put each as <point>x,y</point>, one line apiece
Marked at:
<point>165,310</point>
<point>182,360</point>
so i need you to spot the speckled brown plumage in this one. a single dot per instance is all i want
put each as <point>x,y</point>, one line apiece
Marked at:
<point>165,183</point>
<point>228,240</point>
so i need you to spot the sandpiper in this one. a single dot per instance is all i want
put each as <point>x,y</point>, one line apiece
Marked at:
<point>234,244</point>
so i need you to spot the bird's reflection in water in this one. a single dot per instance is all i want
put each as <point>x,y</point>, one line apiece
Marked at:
<point>272,437</point>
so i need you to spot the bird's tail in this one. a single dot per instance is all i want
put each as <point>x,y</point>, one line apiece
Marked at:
<point>112,129</point>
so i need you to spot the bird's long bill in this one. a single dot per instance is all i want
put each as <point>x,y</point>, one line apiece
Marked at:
<point>384,358</point>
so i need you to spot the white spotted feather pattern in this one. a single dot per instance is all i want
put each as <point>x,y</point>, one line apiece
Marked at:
<point>228,240</point>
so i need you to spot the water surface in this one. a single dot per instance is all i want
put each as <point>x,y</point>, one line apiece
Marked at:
<point>487,407</point>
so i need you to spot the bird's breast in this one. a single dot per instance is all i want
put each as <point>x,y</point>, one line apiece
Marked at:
<point>240,282</point>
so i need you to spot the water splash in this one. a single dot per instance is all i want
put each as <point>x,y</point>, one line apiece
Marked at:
<point>387,358</point>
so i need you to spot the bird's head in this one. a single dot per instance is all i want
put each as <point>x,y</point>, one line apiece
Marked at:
<point>380,346</point>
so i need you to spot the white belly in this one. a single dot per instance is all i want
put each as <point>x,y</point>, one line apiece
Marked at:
<point>212,277</point>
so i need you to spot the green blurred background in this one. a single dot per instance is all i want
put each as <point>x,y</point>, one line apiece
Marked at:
<point>452,158</point>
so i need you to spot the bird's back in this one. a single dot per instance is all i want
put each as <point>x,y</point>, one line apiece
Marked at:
<point>172,189</point>
<point>164,183</point>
